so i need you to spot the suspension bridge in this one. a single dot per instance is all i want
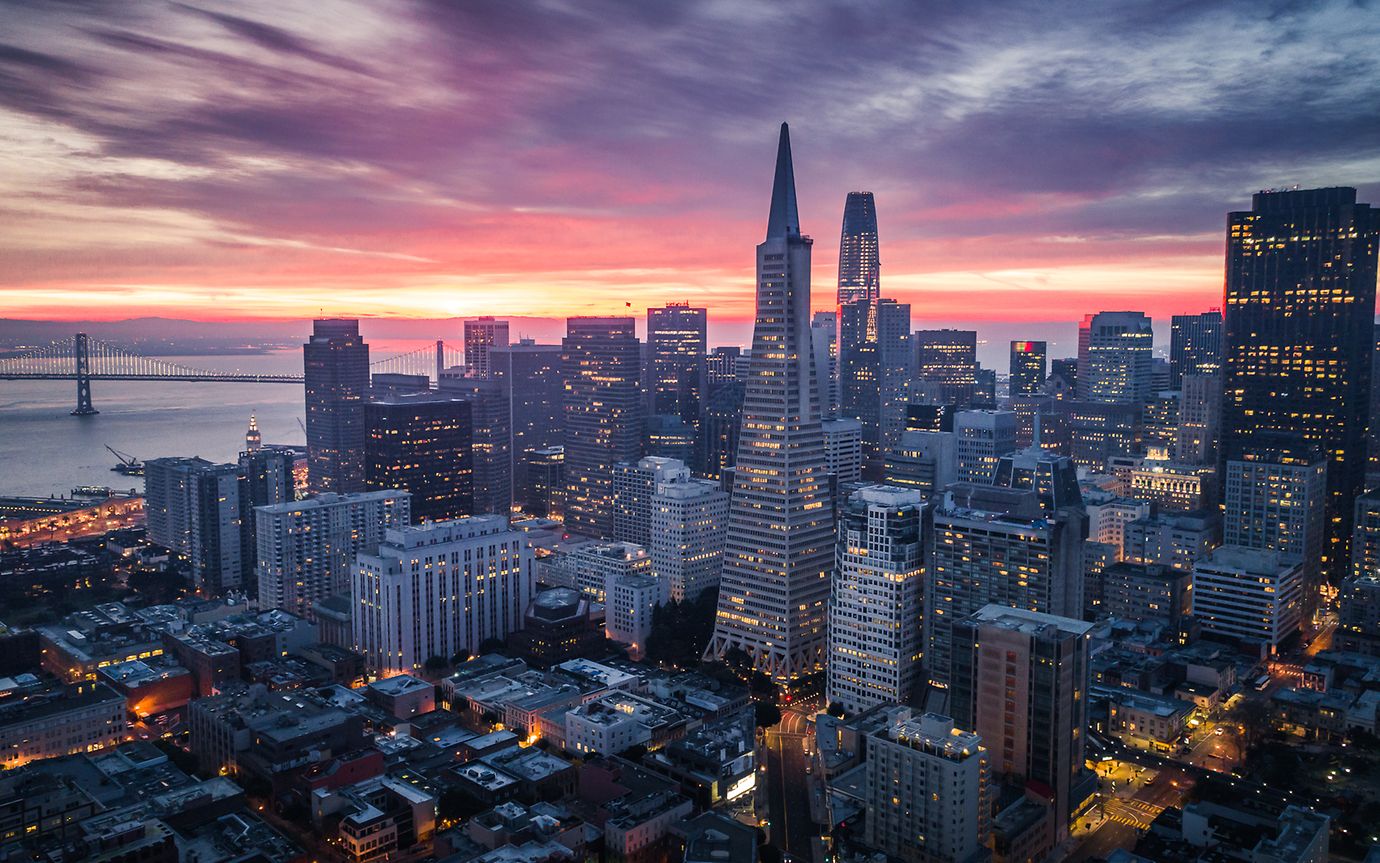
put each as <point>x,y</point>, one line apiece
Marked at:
<point>83,359</point>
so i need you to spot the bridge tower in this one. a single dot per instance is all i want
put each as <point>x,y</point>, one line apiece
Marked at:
<point>83,358</point>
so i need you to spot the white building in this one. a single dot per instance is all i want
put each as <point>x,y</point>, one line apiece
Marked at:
<point>875,640</point>
<point>438,589</point>
<point>614,721</point>
<point>843,448</point>
<point>927,794</point>
<point>1250,594</point>
<point>630,601</point>
<point>1108,515</point>
<point>307,548</point>
<point>634,485</point>
<point>981,437</point>
<point>588,567</point>
<point>689,530</point>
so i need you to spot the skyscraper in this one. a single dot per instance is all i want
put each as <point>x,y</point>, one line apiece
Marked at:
<point>601,360</point>
<point>422,443</point>
<point>1027,369</point>
<point>859,262</point>
<point>195,510</point>
<point>824,337</point>
<point>1195,346</point>
<point>1298,330</point>
<point>1115,366</point>
<point>482,335</point>
<point>875,364</point>
<point>947,359</point>
<point>491,438</point>
<point>775,581</point>
<point>335,365</point>
<point>981,437</point>
<point>634,484</point>
<point>676,343</point>
<point>689,531</point>
<point>875,642</point>
<point>529,379</point>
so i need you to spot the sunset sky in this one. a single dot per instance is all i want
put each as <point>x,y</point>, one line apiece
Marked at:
<point>430,159</point>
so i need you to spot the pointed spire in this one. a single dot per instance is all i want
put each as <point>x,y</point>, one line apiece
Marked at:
<point>784,220</point>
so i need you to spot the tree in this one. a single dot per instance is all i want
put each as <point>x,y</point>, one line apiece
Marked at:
<point>435,664</point>
<point>634,753</point>
<point>460,658</point>
<point>767,714</point>
<point>836,710</point>
<point>456,805</point>
<point>681,631</point>
<point>492,645</point>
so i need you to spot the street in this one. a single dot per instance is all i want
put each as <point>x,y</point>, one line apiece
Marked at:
<point>788,796</point>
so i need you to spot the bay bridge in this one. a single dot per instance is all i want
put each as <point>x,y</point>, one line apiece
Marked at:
<point>83,359</point>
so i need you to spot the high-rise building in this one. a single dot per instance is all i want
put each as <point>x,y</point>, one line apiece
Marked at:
<point>634,485</point>
<point>1195,346</point>
<point>1274,501</point>
<point>843,449</point>
<point>1053,477</point>
<point>875,365</point>
<point>1298,326</point>
<point>630,603</point>
<point>529,378</point>
<point>928,797</point>
<point>482,336</point>
<point>982,437</point>
<point>335,364</point>
<point>1177,539</point>
<point>676,345</point>
<point>1027,376</point>
<point>998,545</point>
<point>194,510</point>
<point>824,344</point>
<point>1115,367</point>
<point>926,461</point>
<point>1066,370</point>
<point>1020,679</point>
<point>1097,431</point>
<point>723,420</point>
<point>490,441</point>
<point>1248,594</point>
<point>875,641</point>
<point>948,360</point>
<point>721,366</point>
<point>1160,420</point>
<point>437,590</point>
<point>307,548</point>
<point>775,581</point>
<point>1200,411</point>
<point>591,566</point>
<point>1365,542</point>
<point>859,258</point>
<point>545,497</point>
<point>603,416</point>
<point>689,531</point>
<point>421,443</point>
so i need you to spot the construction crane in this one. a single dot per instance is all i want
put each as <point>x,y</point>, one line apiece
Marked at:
<point>128,464</point>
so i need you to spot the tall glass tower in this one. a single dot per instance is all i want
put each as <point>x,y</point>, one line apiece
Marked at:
<point>335,363</point>
<point>1298,326</point>
<point>775,583</point>
<point>859,266</point>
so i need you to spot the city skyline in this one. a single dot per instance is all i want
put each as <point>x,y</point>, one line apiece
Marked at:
<point>319,180</point>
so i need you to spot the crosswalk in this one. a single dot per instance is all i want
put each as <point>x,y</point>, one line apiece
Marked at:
<point>1133,813</point>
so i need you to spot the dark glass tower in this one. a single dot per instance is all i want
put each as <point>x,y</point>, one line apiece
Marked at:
<point>1195,346</point>
<point>421,443</point>
<point>529,376</point>
<point>859,265</point>
<point>1027,369</point>
<point>677,344</point>
<point>1298,325</point>
<point>335,365</point>
<point>875,363</point>
<point>602,366</point>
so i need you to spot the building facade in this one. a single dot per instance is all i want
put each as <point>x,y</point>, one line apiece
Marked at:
<point>335,365</point>
<point>689,532</point>
<point>422,443</point>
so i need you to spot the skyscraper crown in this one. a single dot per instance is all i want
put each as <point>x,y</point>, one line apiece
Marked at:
<point>784,220</point>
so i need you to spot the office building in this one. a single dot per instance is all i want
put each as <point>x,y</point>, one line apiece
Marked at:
<point>1200,411</point>
<point>491,441</point>
<point>721,366</point>
<point>1115,365</point>
<point>1160,419</point>
<point>1052,477</point>
<point>1274,501</point>
<point>1140,591</point>
<point>676,345</point>
<point>671,437</point>
<point>194,509</point>
<point>1177,539</point>
<point>824,345</point>
<point>875,365</point>
<point>719,430</point>
<point>1027,374</point>
<point>529,378</point>
<point>590,566</point>
<point>1365,543</point>
<point>1195,346</point>
<point>545,496</point>
<point>1020,679</point>
<point>875,642</point>
<point>603,416</point>
<point>928,795</point>
<point>925,461</point>
<point>335,365</point>
<point>859,257</point>
<point>48,719</point>
<point>689,531</point>
<point>1358,628</point>
<point>438,590</point>
<point>633,487</point>
<point>843,449</point>
<point>306,548</point>
<point>948,360</point>
<point>482,336</point>
<point>1298,330</point>
<point>1098,431</point>
<point>1170,485</point>
<point>998,545</point>
<point>980,438</point>
<point>630,602</point>
<point>1248,594</point>
<point>421,443</point>
<point>775,581</point>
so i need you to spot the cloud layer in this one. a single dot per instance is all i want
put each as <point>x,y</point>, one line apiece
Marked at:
<point>1030,160</point>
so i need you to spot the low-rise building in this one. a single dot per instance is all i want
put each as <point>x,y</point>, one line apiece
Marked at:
<point>616,721</point>
<point>41,719</point>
